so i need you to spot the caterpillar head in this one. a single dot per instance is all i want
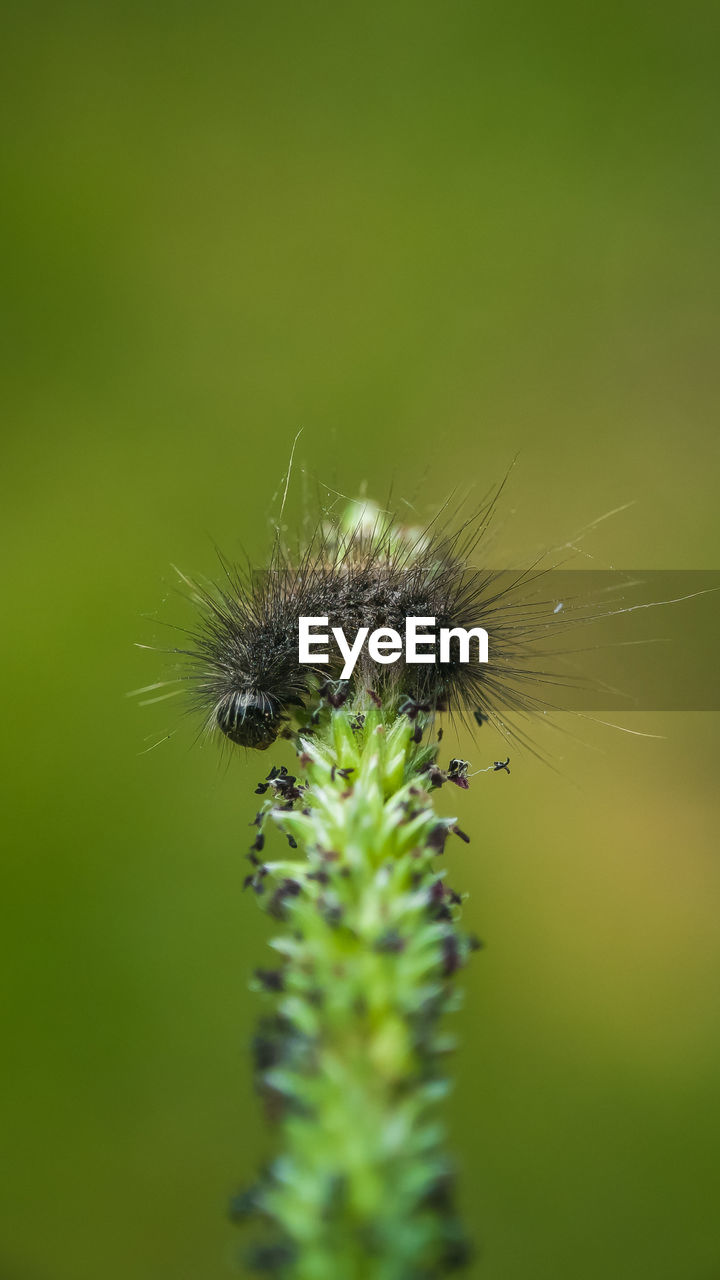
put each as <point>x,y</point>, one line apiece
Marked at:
<point>250,719</point>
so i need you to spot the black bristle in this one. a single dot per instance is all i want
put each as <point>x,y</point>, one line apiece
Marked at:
<point>245,672</point>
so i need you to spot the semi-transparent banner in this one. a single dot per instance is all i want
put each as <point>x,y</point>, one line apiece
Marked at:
<point>563,639</point>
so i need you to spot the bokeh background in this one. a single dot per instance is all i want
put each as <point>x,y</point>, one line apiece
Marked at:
<point>434,236</point>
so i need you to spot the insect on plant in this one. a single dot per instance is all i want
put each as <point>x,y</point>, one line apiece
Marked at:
<point>351,1050</point>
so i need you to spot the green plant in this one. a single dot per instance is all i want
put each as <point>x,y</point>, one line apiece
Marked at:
<point>351,1056</point>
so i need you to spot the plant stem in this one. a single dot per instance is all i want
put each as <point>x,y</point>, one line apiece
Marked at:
<point>350,1057</point>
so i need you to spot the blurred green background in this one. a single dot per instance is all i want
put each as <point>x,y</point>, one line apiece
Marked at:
<point>433,235</point>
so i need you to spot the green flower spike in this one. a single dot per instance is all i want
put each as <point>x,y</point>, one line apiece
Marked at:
<point>350,1058</point>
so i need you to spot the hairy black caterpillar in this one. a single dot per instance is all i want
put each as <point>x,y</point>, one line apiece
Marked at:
<point>245,672</point>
